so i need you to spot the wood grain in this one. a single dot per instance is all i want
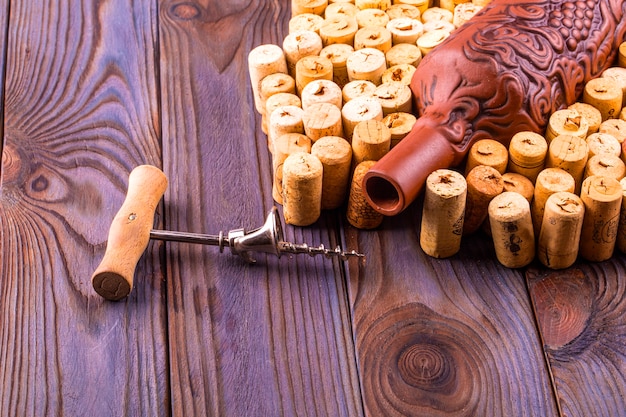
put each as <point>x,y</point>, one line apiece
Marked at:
<point>92,89</point>
<point>4,25</point>
<point>267,339</point>
<point>580,312</point>
<point>81,110</point>
<point>451,337</point>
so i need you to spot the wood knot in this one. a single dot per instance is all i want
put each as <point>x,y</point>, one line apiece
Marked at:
<point>564,304</point>
<point>185,11</point>
<point>425,365</point>
<point>39,184</point>
<point>418,361</point>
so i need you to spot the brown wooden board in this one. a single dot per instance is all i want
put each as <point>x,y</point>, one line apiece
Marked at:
<point>80,111</point>
<point>4,25</point>
<point>443,337</point>
<point>580,313</point>
<point>245,340</point>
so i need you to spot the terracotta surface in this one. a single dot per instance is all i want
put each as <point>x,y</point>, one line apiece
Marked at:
<point>507,71</point>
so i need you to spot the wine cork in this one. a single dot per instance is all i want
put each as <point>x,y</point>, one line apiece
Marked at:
<point>590,114</point>
<point>464,12</point>
<point>280,100</point>
<point>399,10</point>
<point>321,91</point>
<point>483,184</point>
<point>275,101</point>
<point>566,122</point>
<point>358,212</point>
<point>518,183</point>
<point>302,189</point>
<point>262,61</point>
<point>310,68</point>
<point>603,200</point>
<point>371,140</point>
<point>487,152</point>
<point>322,119</point>
<point>373,4</point>
<point>394,97</point>
<point>276,83</point>
<point>357,88</point>
<point>399,124</point>
<point>443,213</point>
<point>306,21</point>
<point>605,165</point>
<point>346,9</point>
<point>439,25</point>
<point>284,146</point>
<point>621,55</point>
<point>338,29</point>
<point>367,64</point>
<point>622,114</point>
<point>512,182</point>
<point>451,4</point>
<point>437,14</point>
<point>620,241</point>
<point>599,143</point>
<point>374,38</point>
<point>549,181</point>
<point>299,44</point>
<point>527,154</point>
<point>358,110</point>
<point>273,84</point>
<point>338,54</point>
<point>285,119</point>
<point>615,128</point>
<point>562,224</point>
<point>308,6</point>
<point>402,73</point>
<point>512,230</point>
<point>405,30</point>
<point>335,153</point>
<point>430,40</point>
<point>569,153</point>
<point>605,95</point>
<point>422,5</point>
<point>481,3</point>
<point>403,53</point>
<point>371,18</point>
<point>617,74</point>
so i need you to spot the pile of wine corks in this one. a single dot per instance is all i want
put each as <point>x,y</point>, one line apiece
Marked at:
<point>335,97</point>
<point>553,197</point>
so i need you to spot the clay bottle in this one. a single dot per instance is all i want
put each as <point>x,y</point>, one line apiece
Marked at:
<point>505,71</point>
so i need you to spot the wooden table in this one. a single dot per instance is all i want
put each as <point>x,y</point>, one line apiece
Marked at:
<point>93,88</point>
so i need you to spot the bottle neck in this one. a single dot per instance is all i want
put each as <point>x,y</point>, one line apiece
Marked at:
<point>396,180</point>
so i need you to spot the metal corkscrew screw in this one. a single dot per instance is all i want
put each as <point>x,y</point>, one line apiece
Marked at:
<point>131,230</point>
<point>267,239</point>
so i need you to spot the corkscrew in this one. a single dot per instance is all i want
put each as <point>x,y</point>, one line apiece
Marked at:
<point>267,239</point>
<point>131,231</point>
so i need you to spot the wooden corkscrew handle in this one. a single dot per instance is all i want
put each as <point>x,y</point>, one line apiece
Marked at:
<point>129,233</point>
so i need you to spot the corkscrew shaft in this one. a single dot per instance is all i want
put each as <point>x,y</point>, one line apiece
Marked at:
<point>265,239</point>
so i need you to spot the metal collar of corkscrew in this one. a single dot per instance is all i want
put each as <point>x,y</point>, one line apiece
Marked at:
<point>131,230</point>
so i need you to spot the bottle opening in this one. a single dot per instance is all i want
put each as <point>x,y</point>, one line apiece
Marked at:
<point>383,195</point>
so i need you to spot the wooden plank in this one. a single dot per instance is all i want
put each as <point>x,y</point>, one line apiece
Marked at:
<point>268,339</point>
<point>81,111</point>
<point>580,312</point>
<point>443,337</point>
<point>4,24</point>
